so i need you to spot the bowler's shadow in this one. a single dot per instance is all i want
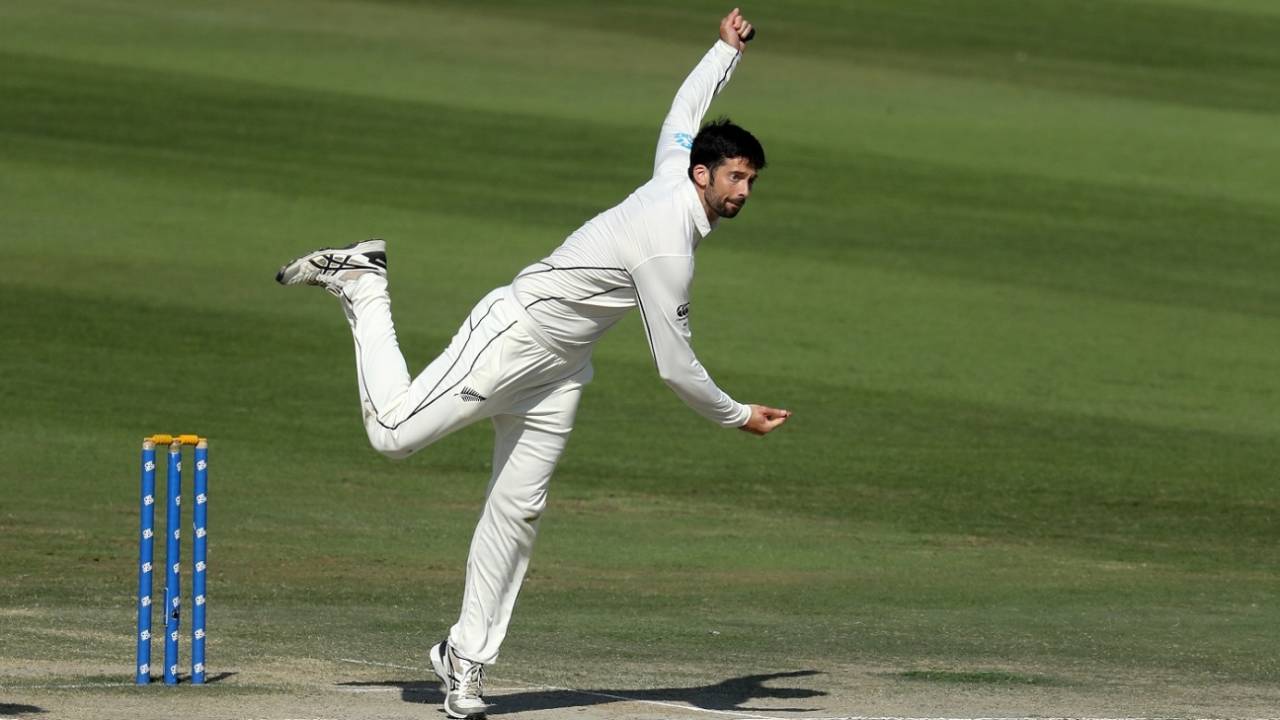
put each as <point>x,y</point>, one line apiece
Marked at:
<point>731,694</point>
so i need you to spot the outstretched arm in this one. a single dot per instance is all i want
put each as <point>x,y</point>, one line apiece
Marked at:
<point>696,93</point>
<point>662,290</point>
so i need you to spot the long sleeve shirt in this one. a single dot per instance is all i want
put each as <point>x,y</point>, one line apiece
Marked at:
<point>639,253</point>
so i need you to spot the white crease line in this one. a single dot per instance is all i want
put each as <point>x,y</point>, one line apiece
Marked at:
<point>369,689</point>
<point>381,664</point>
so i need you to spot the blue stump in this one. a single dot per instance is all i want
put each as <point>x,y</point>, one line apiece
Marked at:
<point>147,512</point>
<point>172,559</point>
<point>199,556</point>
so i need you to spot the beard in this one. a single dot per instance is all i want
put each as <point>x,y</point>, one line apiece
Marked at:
<point>726,207</point>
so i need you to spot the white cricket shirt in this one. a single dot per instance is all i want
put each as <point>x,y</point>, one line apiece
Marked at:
<point>640,253</point>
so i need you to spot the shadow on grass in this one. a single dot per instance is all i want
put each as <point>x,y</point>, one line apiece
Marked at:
<point>18,709</point>
<point>731,694</point>
<point>185,679</point>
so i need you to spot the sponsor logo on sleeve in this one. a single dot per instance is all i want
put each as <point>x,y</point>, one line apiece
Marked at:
<point>682,312</point>
<point>684,140</point>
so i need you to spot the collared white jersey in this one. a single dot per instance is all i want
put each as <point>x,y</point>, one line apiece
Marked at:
<point>640,253</point>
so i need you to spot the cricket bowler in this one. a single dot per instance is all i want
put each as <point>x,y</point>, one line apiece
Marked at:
<point>523,355</point>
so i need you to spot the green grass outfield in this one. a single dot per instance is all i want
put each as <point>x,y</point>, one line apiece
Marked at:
<point>1014,265</point>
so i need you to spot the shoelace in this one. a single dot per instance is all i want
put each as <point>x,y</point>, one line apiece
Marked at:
<point>471,681</point>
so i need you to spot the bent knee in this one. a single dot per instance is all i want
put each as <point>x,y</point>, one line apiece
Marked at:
<point>528,506</point>
<point>531,513</point>
<point>389,443</point>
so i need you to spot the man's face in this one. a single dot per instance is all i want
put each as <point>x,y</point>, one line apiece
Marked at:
<point>729,186</point>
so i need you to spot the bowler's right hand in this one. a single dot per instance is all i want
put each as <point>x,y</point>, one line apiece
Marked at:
<point>734,30</point>
<point>764,419</point>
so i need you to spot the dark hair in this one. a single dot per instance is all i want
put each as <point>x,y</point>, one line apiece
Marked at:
<point>720,140</point>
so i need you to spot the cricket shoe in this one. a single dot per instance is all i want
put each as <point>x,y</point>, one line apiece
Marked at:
<point>332,268</point>
<point>463,683</point>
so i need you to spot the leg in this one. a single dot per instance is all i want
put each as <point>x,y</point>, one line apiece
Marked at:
<point>401,415</point>
<point>526,448</point>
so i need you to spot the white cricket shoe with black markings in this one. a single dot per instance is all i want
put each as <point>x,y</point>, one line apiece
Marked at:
<point>331,268</point>
<point>463,683</point>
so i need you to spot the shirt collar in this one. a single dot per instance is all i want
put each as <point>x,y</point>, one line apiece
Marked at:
<point>699,213</point>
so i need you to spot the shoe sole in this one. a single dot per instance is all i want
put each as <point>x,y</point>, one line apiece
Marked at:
<point>285,277</point>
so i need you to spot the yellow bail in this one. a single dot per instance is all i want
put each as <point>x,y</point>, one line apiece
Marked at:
<point>162,439</point>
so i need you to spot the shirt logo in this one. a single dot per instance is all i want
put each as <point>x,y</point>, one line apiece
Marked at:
<point>683,311</point>
<point>469,395</point>
<point>684,140</point>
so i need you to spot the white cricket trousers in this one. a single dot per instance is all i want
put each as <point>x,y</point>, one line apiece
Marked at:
<point>495,367</point>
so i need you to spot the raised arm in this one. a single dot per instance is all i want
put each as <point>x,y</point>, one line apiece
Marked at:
<point>696,93</point>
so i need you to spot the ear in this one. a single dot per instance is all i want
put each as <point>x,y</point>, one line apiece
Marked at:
<point>701,176</point>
